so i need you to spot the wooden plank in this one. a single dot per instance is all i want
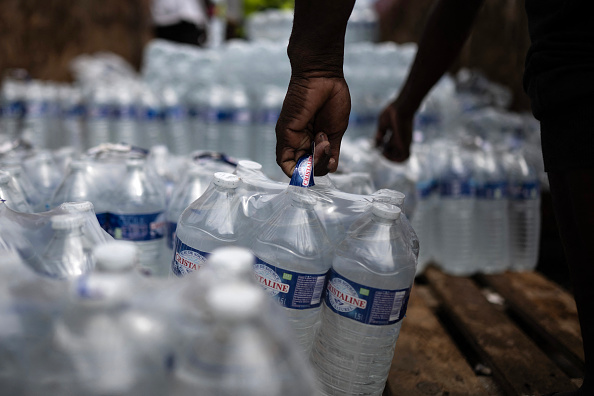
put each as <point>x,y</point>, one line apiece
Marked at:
<point>426,361</point>
<point>545,307</point>
<point>518,365</point>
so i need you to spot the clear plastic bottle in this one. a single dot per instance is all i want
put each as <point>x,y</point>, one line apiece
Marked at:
<point>93,234</point>
<point>235,130</point>
<point>491,246</point>
<point>189,189</point>
<point>456,211</point>
<point>137,214</point>
<point>292,259</point>
<point>12,194</point>
<point>44,174</point>
<point>124,118</point>
<point>242,350</point>
<point>102,344</point>
<point>208,223</point>
<point>99,111</point>
<point>76,186</point>
<point>23,182</point>
<point>65,255</point>
<point>175,123</point>
<point>367,293</point>
<point>524,213</point>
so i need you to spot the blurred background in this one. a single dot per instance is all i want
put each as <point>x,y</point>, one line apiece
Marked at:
<point>44,36</point>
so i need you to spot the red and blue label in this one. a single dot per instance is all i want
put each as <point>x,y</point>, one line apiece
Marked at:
<point>291,289</point>
<point>365,304</point>
<point>186,259</point>
<point>303,172</point>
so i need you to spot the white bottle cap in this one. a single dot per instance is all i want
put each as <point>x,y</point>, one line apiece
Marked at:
<point>385,210</point>
<point>67,221</point>
<point>226,180</point>
<point>235,301</point>
<point>116,256</point>
<point>251,165</point>
<point>77,207</point>
<point>389,196</point>
<point>4,177</point>
<point>235,260</point>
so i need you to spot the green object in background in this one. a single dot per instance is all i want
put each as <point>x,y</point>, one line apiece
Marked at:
<point>250,6</point>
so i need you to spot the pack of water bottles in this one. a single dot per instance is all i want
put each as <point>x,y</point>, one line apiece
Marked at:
<point>340,265</point>
<point>473,180</point>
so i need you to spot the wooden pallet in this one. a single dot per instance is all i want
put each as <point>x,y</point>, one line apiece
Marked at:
<point>507,334</point>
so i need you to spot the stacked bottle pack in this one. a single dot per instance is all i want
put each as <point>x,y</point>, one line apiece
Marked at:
<point>292,261</point>
<point>473,191</point>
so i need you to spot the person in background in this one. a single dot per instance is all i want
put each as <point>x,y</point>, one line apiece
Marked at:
<point>559,79</point>
<point>182,21</point>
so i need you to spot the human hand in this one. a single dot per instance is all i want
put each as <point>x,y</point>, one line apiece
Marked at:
<point>315,109</point>
<point>394,133</point>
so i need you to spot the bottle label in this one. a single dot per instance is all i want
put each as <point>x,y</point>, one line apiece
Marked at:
<point>171,227</point>
<point>492,190</point>
<point>365,304</point>
<point>290,289</point>
<point>303,172</point>
<point>525,191</point>
<point>136,227</point>
<point>103,219</point>
<point>125,113</point>
<point>186,259</point>
<point>425,188</point>
<point>456,188</point>
<point>100,112</point>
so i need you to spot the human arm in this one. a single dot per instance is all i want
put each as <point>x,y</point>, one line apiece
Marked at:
<point>448,26</point>
<point>317,104</point>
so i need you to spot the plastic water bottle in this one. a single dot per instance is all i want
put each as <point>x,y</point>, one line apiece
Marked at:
<point>93,234</point>
<point>189,189</point>
<point>37,119</point>
<point>242,350</point>
<point>264,143</point>
<point>13,107</point>
<point>491,228</point>
<point>44,174</point>
<point>366,298</point>
<point>11,193</point>
<point>292,259</point>
<point>65,255</point>
<point>137,214</point>
<point>149,118</point>
<point>20,178</point>
<point>456,204</point>
<point>99,111</point>
<point>175,123</point>
<point>524,213</point>
<point>208,223</point>
<point>76,186</point>
<point>124,118</point>
<point>235,131</point>
<point>72,117</point>
<point>103,344</point>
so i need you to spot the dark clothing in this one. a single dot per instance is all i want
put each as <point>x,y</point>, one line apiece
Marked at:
<point>559,79</point>
<point>182,32</point>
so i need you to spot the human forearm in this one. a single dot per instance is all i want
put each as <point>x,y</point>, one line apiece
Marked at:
<point>446,31</point>
<point>316,46</point>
